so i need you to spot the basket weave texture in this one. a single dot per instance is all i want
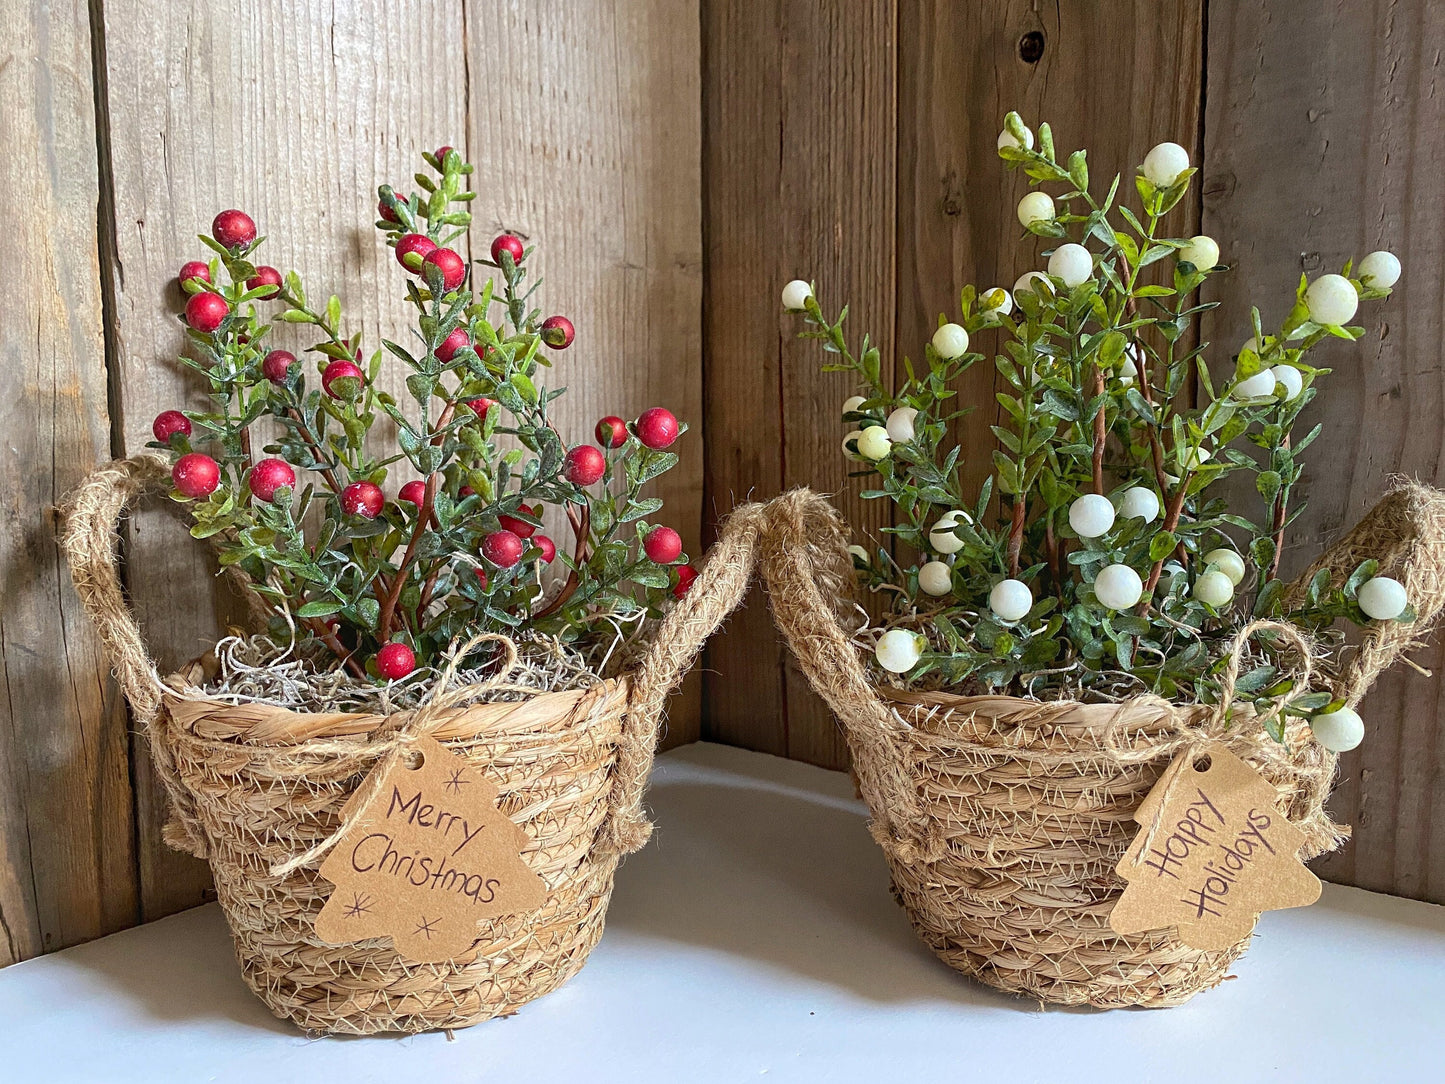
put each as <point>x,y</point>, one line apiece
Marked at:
<point>1003,818</point>
<point>258,791</point>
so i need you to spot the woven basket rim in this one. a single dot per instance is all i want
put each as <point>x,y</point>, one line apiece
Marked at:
<point>261,724</point>
<point>942,699</point>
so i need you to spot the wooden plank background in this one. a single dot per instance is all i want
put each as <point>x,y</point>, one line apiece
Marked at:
<point>677,160</point>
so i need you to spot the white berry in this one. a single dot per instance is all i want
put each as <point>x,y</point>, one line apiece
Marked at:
<point>850,443</point>
<point>796,294</point>
<point>951,341</point>
<point>1331,299</point>
<point>859,554</point>
<point>1091,515</point>
<point>935,578</point>
<point>1036,207</point>
<point>898,650</point>
<point>1380,270</point>
<point>1214,588</point>
<point>1289,380</point>
<point>1258,386</point>
<point>996,299</point>
<point>1139,503</point>
<point>1129,370</point>
<point>900,425</point>
<point>941,536</point>
<point>1164,163</point>
<point>1228,562</point>
<point>1006,139</point>
<point>1382,598</point>
<point>874,443</point>
<point>1195,458</point>
<point>1338,731</point>
<point>852,404</point>
<point>1033,282</point>
<point>1072,263</point>
<point>1011,600</point>
<point>1117,587</point>
<point>1202,252</point>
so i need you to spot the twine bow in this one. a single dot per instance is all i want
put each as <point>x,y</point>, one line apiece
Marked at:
<point>396,737</point>
<point>1217,722</point>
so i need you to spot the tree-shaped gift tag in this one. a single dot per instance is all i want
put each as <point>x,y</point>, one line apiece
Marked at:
<point>1214,852</point>
<point>426,856</point>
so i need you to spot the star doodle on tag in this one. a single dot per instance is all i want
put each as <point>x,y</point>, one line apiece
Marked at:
<point>1213,852</point>
<point>426,856</point>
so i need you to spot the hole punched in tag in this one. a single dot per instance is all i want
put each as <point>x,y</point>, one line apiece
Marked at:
<point>1202,763</point>
<point>413,760</point>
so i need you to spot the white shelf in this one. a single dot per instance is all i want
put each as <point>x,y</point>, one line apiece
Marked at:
<point>756,937</point>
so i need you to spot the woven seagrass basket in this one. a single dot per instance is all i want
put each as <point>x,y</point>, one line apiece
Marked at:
<point>257,790</point>
<point>1003,819</point>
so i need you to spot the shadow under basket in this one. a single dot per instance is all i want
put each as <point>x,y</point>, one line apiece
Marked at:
<point>1003,819</point>
<point>254,788</point>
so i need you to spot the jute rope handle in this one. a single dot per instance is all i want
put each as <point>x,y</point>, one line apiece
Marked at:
<point>1405,532</point>
<point>89,540</point>
<point>722,583</point>
<point>809,574</point>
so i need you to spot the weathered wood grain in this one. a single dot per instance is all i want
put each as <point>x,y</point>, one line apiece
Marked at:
<point>799,182</point>
<point>1116,78</point>
<point>66,860</point>
<point>1323,141</point>
<point>294,112</point>
<point>585,129</point>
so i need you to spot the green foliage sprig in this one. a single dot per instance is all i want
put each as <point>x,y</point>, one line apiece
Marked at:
<point>387,582</point>
<point>1098,556</point>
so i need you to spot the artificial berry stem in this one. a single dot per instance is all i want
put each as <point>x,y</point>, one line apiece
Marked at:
<point>388,605</point>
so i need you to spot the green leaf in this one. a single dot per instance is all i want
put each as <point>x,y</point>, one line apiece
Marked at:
<point>320,608</point>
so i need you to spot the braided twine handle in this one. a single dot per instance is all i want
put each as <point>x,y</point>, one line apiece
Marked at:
<point>811,586</point>
<point>722,583</point>
<point>89,541</point>
<point>1405,532</point>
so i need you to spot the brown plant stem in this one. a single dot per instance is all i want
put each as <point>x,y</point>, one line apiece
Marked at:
<point>1171,521</point>
<point>1281,507</point>
<point>581,527</point>
<point>388,605</point>
<point>326,472</point>
<point>323,632</point>
<point>1016,535</point>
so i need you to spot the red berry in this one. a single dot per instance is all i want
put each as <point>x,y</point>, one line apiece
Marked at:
<point>509,244</point>
<point>611,432</point>
<point>412,249</point>
<point>452,267</point>
<point>465,492</point>
<point>386,213</point>
<point>558,332</point>
<point>233,228</point>
<point>196,475</point>
<point>449,346</point>
<point>502,548</point>
<point>584,465</point>
<point>395,661</point>
<point>277,366</point>
<point>519,527</point>
<point>205,311</point>
<point>441,155</point>
<point>481,405</point>
<point>268,476</point>
<point>194,269</point>
<point>547,546</point>
<point>362,499</point>
<point>482,578</point>
<point>168,423</point>
<point>340,370</point>
<point>414,491</point>
<point>685,575</point>
<point>662,545</point>
<point>657,428</point>
<point>265,276</point>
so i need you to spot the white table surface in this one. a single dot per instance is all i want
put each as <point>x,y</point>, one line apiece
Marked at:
<point>755,937</point>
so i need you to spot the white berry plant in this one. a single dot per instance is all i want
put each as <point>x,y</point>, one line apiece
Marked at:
<point>1099,558</point>
<point>388,582</point>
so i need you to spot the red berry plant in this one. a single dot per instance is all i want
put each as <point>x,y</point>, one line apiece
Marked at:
<point>386,583</point>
